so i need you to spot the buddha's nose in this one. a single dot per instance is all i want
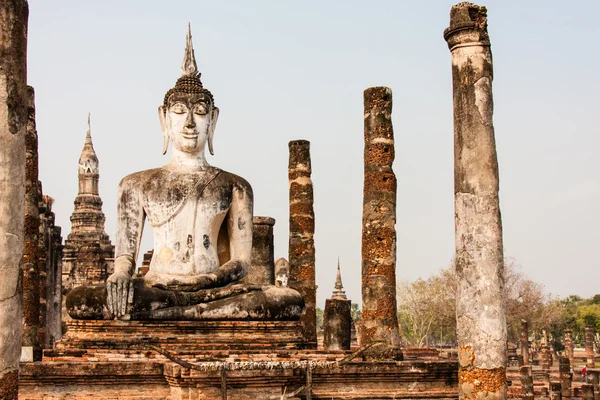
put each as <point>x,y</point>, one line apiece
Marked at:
<point>189,121</point>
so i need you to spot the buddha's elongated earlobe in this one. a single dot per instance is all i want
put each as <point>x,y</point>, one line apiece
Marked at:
<point>165,144</point>
<point>211,132</point>
<point>162,111</point>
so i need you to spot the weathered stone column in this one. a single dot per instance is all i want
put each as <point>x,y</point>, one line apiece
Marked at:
<point>524,342</point>
<point>31,349</point>
<point>379,321</point>
<point>589,347</point>
<point>569,347</point>
<point>13,128</point>
<point>526,382</point>
<point>54,297</point>
<point>480,304</point>
<point>555,391</point>
<point>337,318</point>
<point>302,230</point>
<point>587,391</point>
<point>51,260</point>
<point>545,357</point>
<point>564,371</point>
<point>262,271</point>
<point>593,378</point>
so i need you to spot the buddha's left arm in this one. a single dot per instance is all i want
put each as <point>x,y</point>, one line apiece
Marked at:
<point>239,227</point>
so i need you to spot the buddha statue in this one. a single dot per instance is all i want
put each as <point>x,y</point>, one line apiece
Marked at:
<point>201,218</point>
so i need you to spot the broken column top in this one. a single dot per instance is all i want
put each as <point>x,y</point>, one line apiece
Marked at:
<point>299,154</point>
<point>377,93</point>
<point>263,220</point>
<point>468,17</point>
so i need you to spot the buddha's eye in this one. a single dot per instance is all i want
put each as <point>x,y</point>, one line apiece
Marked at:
<point>178,108</point>
<point>201,109</point>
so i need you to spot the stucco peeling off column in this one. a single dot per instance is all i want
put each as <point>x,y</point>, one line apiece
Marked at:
<point>13,126</point>
<point>302,230</point>
<point>480,304</point>
<point>379,321</point>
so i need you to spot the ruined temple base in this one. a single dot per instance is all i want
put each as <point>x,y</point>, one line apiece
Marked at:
<point>241,360</point>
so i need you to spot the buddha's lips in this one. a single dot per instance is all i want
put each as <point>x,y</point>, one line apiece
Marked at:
<point>190,136</point>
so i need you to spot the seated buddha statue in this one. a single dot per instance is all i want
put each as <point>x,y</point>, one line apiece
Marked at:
<point>201,218</point>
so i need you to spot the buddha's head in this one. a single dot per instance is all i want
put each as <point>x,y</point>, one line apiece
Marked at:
<point>188,116</point>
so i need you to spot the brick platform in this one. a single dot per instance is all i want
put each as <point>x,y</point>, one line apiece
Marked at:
<point>162,379</point>
<point>182,337</point>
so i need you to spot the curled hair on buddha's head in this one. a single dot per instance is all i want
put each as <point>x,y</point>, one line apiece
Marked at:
<point>189,83</point>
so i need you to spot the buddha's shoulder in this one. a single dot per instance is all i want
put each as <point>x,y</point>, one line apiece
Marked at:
<point>137,179</point>
<point>234,180</point>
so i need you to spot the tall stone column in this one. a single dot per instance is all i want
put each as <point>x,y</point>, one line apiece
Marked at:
<point>564,372</point>
<point>526,382</point>
<point>302,230</point>
<point>570,347</point>
<point>54,297</point>
<point>589,347</point>
<point>31,349</point>
<point>480,304</point>
<point>524,342</point>
<point>379,321</point>
<point>13,128</point>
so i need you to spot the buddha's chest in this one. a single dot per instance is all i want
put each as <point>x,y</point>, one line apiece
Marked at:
<point>185,198</point>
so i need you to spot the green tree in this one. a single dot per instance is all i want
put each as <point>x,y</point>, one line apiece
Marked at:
<point>355,312</point>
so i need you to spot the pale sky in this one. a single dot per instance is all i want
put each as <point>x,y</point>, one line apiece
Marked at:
<point>281,71</point>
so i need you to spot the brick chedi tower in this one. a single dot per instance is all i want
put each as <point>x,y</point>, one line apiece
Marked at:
<point>88,254</point>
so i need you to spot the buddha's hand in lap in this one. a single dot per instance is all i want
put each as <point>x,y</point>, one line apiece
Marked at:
<point>188,283</point>
<point>119,290</point>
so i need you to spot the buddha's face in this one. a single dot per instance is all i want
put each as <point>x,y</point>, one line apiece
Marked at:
<point>188,119</point>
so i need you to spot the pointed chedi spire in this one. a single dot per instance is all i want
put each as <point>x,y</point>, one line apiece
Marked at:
<point>88,135</point>
<point>338,292</point>
<point>88,161</point>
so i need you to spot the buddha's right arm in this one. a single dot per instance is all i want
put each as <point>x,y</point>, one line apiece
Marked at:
<point>130,224</point>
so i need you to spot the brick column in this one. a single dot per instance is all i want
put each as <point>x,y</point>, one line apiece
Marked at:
<point>379,321</point>
<point>564,371</point>
<point>526,383</point>
<point>569,347</point>
<point>302,230</point>
<point>480,304</point>
<point>555,391</point>
<point>13,128</point>
<point>589,347</point>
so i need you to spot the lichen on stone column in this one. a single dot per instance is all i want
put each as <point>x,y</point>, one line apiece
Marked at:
<point>379,321</point>
<point>479,259</point>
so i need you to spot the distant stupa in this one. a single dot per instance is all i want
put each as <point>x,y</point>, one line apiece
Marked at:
<point>88,255</point>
